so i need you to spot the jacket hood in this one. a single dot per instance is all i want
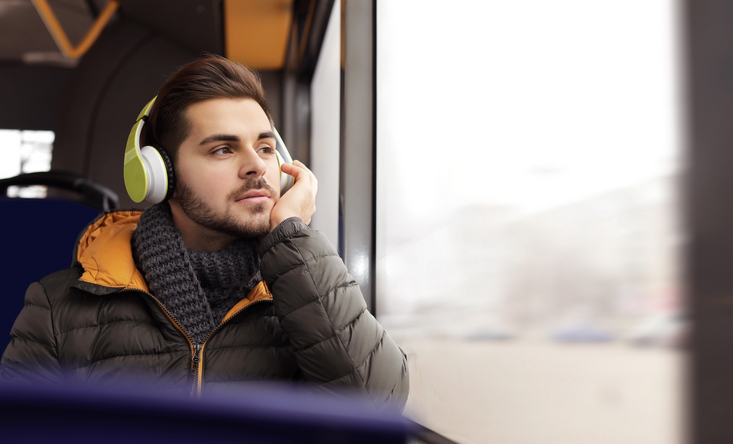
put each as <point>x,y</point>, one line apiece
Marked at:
<point>104,251</point>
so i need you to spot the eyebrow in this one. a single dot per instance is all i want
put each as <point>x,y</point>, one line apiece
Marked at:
<point>267,135</point>
<point>219,138</point>
<point>233,138</point>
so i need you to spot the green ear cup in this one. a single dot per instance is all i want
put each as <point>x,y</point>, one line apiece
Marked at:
<point>136,181</point>
<point>136,178</point>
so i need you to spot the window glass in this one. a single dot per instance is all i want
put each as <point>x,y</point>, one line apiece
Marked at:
<point>25,152</point>
<point>325,131</point>
<point>528,226</point>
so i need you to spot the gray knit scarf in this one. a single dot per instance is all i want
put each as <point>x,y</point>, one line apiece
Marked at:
<point>198,288</point>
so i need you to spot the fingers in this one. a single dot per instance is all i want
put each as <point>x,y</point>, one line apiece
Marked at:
<point>295,169</point>
<point>300,200</point>
<point>300,172</point>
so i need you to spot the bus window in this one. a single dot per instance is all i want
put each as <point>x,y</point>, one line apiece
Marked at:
<point>528,229</point>
<point>25,152</point>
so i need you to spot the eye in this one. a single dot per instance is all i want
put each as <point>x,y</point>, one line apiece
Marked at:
<point>222,150</point>
<point>266,149</point>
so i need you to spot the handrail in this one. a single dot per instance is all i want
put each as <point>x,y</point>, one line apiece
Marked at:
<point>59,36</point>
<point>92,194</point>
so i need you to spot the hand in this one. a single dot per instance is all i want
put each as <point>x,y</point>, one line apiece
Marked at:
<point>300,200</point>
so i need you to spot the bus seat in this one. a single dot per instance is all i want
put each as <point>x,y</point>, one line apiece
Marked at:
<point>136,411</point>
<point>38,235</point>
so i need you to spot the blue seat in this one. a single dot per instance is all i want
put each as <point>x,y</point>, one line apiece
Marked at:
<point>39,235</point>
<point>123,413</point>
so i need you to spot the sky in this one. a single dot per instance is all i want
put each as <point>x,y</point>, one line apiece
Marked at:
<point>530,104</point>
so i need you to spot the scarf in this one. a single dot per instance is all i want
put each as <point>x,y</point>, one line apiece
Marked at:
<point>197,288</point>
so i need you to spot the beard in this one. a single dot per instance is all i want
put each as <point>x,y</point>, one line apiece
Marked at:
<point>196,208</point>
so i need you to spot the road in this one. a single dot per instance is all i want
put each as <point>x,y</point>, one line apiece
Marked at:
<point>522,392</point>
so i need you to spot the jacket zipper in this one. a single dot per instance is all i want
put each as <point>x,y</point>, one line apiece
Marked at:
<point>198,357</point>
<point>194,354</point>
<point>196,367</point>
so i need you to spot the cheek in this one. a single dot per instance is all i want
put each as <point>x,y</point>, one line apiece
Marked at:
<point>219,185</point>
<point>204,181</point>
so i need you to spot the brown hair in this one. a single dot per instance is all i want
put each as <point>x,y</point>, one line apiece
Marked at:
<point>208,77</point>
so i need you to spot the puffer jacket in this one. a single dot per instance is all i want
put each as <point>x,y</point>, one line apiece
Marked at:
<point>307,321</point>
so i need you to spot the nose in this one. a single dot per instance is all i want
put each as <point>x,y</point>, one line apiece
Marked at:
<point>252,165</point>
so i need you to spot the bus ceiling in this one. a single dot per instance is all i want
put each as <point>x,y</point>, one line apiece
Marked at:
<point>58,33</point>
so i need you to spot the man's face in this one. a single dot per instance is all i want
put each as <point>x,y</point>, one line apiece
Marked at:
<point>228,178</point>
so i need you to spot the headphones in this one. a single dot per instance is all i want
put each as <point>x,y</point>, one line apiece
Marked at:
<point>149,172</point>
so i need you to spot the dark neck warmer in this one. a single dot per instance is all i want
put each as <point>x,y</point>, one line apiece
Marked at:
<point>198,288</point>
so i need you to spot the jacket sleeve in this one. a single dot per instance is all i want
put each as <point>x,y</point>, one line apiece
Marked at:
<point>32,355</point>
<point>337,342</point>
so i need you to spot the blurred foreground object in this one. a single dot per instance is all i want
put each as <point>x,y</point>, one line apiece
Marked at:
<point>129,413</point>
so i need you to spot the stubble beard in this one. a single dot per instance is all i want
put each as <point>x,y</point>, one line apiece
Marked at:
<point>254,226</point>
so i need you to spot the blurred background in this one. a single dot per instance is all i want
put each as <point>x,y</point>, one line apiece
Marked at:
<point>529,229</point>
<point>532,195</point>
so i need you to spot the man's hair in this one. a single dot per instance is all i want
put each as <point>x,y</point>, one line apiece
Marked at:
<point>208,77</point>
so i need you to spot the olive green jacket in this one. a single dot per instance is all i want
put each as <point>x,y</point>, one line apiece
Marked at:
<point>307,321</point>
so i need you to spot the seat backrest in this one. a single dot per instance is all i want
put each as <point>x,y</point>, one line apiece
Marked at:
<point>115,413</point>
<point>37,237</point>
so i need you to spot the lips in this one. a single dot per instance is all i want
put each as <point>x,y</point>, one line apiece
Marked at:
<point>254,194</point>
<point>254,190</point>
<point>254,197</point>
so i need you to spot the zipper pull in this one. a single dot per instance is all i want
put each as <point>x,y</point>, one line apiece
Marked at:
<point>196,358</point>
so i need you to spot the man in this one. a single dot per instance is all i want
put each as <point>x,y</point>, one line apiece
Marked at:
<point>222,284</point>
